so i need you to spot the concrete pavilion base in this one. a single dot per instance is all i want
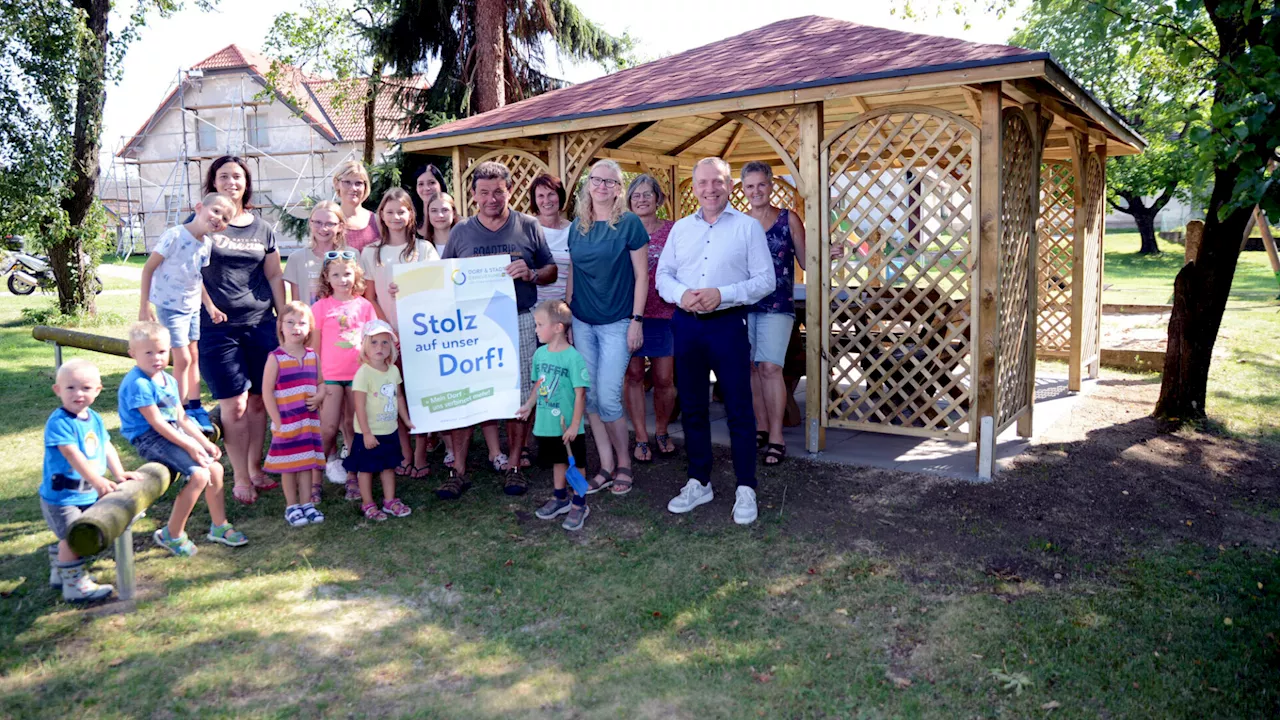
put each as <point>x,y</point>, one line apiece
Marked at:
<point>899,452</point>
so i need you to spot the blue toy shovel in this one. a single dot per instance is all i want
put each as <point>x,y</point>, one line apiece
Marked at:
<point>573,474</point>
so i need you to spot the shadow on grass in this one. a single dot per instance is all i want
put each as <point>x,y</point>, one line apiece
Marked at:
<point>857,590</point>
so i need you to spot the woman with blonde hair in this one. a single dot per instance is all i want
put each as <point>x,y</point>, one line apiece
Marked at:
<point>607,291</point>
<point>352,184</point>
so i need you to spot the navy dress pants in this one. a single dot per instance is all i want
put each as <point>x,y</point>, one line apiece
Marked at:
<point>715,342</point>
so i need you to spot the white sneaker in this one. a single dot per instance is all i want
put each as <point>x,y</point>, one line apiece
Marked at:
<point>693,495</point>
<point>744,507</point>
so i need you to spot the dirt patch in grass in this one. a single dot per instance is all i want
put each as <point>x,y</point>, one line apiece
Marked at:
<point>1097,488</point>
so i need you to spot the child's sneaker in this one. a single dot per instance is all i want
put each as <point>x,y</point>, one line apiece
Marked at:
<point>200,417</point>
<point>395,508</point>
<point>577,518</point>
<point>552,508</point>
<point>314,516</point>
<point>180,546</point>
<point>77,586</point>
<point>227,535</point>
<point>353,488</point>
<point>371,512</point>
<point>295,516</point>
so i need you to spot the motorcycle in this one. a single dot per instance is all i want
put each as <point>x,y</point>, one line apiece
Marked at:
<point>27,272</point>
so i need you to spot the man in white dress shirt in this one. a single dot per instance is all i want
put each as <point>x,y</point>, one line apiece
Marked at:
<point>715,265</point>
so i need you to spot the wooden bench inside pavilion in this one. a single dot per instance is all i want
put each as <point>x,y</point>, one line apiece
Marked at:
<point>962,182</point>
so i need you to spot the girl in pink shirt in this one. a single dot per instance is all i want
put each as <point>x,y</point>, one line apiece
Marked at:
<point>340,313</point>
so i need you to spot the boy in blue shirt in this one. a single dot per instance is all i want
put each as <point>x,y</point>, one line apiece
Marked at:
<point>77,455</point>
<point>151,417</point>
<point>560,393</point>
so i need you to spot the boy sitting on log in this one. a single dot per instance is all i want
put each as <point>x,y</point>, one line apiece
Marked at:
<point>77,455</point>
<point>152,418</point>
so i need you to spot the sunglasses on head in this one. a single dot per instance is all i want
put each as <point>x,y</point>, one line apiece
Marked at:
<point>344,254</point>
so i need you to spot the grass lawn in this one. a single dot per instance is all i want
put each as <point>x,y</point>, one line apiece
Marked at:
<point>1244,385</point>
<point>476,609</point>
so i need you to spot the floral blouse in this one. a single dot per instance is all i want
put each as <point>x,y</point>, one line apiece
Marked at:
<point>655,307</point>
<point>783,252</point>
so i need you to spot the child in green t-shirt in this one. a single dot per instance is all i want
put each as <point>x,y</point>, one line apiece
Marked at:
<point>560,392</point>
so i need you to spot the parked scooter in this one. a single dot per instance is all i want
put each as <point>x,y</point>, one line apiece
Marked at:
<point>27,272</point>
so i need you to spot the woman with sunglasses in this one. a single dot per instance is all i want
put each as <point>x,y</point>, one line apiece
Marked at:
<point>607,290</point>
<point>245,282</point>
<point>328,228</point>
<point>352,184</point>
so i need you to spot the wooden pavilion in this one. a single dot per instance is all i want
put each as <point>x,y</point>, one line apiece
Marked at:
<point>966,179</point>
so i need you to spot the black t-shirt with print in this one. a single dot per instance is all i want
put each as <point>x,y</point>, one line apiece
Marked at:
<point>236,277</point>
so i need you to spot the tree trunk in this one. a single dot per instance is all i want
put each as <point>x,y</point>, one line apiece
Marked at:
<point>491,20</point>
<point>1200,294</point>
<point>370,110</point>
<point>1145,219</point>
<point>66,254</point>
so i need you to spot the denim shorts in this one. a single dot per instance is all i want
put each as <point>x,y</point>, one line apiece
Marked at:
<point>60,517</point>
<point>184,329</point>
<point>604,347</point>
<point>769,334</point>
<point>658,340</point>
<point>154,447</point>
<point>232,357</point>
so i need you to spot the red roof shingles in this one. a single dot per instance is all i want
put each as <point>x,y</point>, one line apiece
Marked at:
<point>788,54</point>
<point>346,113</point>
<point>315,98</point>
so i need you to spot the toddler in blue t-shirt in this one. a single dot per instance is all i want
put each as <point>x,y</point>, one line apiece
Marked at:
<point>77,455</point>
<point>152,418</point>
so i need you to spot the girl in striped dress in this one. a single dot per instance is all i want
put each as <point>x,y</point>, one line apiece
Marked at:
<point>290,390</point>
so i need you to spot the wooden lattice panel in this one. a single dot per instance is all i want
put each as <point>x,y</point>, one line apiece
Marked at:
<point>688,203</point>
<point>1057,233</point>
<point>1020,208</point>
<point>1091,254</point>
<point>524,168</point>
<point>780,128</point>
<point>579,150</point>
<point>898,347</point>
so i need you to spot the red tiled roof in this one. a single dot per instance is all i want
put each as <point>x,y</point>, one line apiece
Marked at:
<point>799,52</point>
<point>345,113</point>
<point>314,97</point>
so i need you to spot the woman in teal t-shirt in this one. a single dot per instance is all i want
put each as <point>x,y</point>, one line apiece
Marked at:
<point>608,287</point>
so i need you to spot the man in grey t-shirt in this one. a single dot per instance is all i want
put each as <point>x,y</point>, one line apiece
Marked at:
<point>497,230</point>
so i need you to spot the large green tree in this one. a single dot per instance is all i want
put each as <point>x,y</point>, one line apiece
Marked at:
<point>1134,74</point>
<point>59,57</point>
<point>1234,44</point>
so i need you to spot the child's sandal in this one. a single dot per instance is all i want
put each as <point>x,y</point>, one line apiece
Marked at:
<point>371,512</point>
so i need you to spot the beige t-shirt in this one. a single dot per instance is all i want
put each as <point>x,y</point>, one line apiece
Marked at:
<point>381,274</point>
<point>303,270</point>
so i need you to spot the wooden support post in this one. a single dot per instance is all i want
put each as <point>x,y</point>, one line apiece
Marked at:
<point>1268,241</point>
<point>459,192</point>
<point>1095,368</point>
<point>673,197</point>
<point>555,156</point>
<point>990,203</point>
<point>817,279</point>
<point>1026,423</point>
<point>1075,353</point>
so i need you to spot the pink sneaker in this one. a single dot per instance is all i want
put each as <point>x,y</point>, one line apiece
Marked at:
<point>396,508</point>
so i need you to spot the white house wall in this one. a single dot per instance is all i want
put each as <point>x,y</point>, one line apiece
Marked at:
<point>296,161</point>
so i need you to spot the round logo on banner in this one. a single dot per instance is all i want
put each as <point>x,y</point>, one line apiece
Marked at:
<point>459,277</point>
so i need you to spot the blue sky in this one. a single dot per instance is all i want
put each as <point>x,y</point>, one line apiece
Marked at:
<point>663,27</point>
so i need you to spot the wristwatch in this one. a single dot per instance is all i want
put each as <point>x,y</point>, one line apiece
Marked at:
<point>638,318</point>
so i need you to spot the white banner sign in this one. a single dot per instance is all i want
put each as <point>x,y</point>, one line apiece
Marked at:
<point>460,341</point>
